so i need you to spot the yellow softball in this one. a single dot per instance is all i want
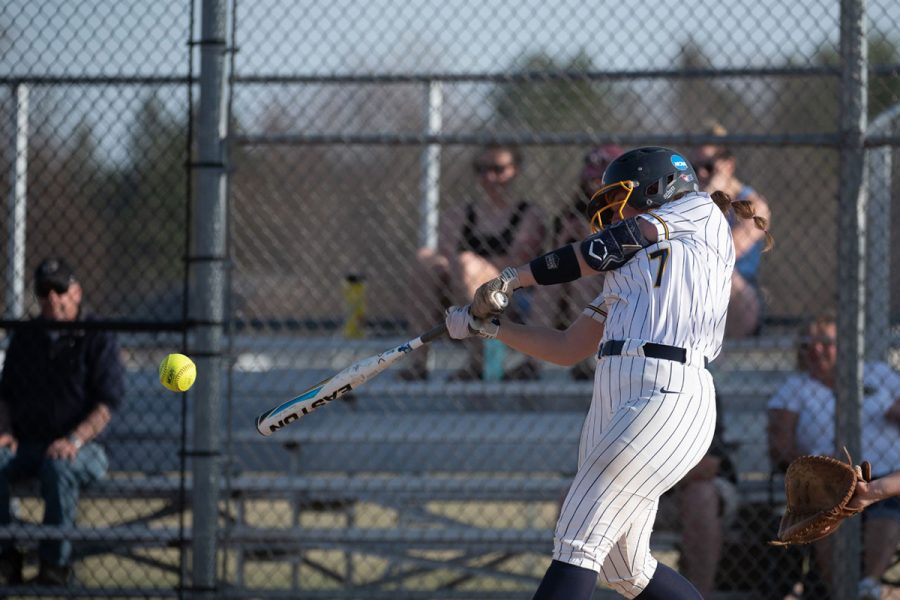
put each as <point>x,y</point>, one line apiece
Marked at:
<point>177,372</point>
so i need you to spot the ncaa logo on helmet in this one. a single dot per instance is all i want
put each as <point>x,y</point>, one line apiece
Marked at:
<point>679,163</point>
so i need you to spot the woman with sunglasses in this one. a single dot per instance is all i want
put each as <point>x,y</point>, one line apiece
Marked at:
<point>479,237</point>
<point>716,168</point>
<point>667,254</point>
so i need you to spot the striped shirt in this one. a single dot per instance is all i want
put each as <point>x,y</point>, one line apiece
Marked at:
<point>675,291</point>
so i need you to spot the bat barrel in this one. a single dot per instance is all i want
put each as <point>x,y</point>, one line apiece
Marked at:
<point>353,376</point>
<point>261,427</point>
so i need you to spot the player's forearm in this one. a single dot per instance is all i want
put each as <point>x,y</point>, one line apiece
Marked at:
<point>563,347</point>
<point>887,486</point>
<point>540,342</point>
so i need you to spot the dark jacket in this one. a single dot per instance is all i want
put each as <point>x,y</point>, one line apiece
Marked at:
<point>53,379</point>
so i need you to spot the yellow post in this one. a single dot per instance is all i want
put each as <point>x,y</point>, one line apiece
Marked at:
<point>355,300</point>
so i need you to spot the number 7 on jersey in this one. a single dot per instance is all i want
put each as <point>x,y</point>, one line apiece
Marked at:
<point>663,255</point>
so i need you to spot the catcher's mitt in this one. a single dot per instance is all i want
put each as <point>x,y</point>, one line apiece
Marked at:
<point>818,489</point>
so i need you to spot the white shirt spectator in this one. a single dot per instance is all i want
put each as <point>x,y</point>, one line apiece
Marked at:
<point>813,403</point>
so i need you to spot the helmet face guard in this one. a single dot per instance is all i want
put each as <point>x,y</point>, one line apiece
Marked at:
<point>600,211</point>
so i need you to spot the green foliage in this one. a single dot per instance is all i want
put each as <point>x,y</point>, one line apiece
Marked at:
<point>884,91</point>
<point>556,97</point>
<point>812,104</point>
<point>698,100</point>
<point>148,217</point>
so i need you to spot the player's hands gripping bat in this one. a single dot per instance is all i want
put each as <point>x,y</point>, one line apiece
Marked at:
<point>461,324</point>
<point>352,377</point>
<point>483,305</point>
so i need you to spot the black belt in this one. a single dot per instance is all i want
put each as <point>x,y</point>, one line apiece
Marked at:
<point>651,350</point>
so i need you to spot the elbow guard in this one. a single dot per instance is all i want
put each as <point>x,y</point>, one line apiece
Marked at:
<point>614,246</point>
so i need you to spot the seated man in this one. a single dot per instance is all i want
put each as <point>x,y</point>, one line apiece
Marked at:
<point>57,391</point>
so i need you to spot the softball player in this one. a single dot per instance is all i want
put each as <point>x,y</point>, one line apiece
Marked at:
<point>668,255</point>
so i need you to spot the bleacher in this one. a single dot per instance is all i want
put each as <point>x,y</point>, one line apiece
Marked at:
<point>413,446</point>
<point>443,484</point>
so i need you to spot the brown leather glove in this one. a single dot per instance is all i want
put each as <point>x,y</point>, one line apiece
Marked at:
<point>818,489</point>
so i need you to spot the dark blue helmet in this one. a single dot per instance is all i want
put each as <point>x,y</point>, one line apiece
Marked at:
<point>651,176</point>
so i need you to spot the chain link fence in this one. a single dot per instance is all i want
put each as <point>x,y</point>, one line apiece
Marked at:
<point>342,174</point>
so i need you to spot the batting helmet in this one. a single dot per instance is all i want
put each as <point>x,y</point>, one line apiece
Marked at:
<point>651,176</point>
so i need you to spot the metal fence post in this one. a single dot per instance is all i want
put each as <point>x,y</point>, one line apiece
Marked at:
<point>207,293</point>
<point>18,201</point>
<point>851,271</point>
<point>431,167</point>
<point>878,248</point>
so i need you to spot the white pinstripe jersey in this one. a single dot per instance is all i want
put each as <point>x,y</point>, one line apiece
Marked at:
<point>676,291</point>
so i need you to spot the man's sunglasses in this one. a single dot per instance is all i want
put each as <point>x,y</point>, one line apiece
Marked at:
<point>43,289</point>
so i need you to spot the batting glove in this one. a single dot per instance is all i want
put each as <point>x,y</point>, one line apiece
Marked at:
<point>485,303</point>
<point>461,324</point>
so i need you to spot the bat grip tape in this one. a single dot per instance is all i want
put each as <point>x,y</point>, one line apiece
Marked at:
<point>434,333</point>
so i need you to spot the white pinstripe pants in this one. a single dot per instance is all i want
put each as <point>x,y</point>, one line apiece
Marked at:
<point>650,422</point>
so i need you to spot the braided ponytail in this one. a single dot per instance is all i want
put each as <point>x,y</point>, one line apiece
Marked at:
<point>744,209</point>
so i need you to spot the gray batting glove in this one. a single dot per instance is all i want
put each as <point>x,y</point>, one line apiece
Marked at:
<point>461,324</point>
<point>492,297</point>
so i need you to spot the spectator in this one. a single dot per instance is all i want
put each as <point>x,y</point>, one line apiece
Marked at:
<point>477,241</point>
<point>707,501</point>
<point>571,225</point>
<point>716,166</point>
<point>801,421</point>
<point>57,391</point>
